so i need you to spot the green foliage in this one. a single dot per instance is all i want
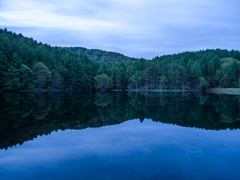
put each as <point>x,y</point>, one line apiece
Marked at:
<point>102,57</point>
<point>203,83</point>
<point>56,80</point>
<point>163,81</point>
<point>75,68</point>
<point>233,71</point>
<point>41,75</point>
<point>103,82</point>
<point>26,76</point>
<point>13,80</point>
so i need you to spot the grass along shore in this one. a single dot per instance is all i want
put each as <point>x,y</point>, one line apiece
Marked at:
<point>232,91</point>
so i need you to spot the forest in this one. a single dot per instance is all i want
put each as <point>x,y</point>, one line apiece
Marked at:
<point>102,56</point>
<point>26,65</point>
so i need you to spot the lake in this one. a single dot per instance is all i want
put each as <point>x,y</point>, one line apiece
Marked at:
<point>134,135</point>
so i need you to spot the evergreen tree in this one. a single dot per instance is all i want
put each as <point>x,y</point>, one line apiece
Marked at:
<point>56,80</point>
<point>13,79</point>
<point>26,76</point>
<point>233,72</point>
<point>3,66</point>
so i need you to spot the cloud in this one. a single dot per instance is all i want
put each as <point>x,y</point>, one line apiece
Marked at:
<point>36,14</point>
<point>135,28</point>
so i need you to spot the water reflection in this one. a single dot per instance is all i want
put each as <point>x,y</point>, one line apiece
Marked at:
<point>131,150</point>
<point>25,116</point>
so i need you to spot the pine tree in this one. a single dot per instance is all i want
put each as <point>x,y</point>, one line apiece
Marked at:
<point>233,72</point>
<point>26,76</point>
<point>56,80</point>
<point>16,61</point>
<point>13,79</point>
<point>3,66</point>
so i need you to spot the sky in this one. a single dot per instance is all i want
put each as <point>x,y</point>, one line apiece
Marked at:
<point>136,28</point>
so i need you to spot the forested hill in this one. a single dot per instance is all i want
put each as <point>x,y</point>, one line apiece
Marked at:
<point>103,56</point>
<point>26,64</point>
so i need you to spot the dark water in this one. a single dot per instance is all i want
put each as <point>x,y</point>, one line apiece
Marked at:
<point>119,136</point>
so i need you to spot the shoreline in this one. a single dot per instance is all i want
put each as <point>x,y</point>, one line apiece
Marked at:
<point>230,91</point>
<point>154,90</point>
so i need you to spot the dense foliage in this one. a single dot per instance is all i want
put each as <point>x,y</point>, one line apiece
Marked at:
<point>101,56</point>
<point>26,64</point>
<point>24,116</point>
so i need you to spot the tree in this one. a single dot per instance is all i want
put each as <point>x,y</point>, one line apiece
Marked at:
<point>3,66</point>
<point>103,82</point>
<point>174,76</point>
<point>213,65</point>
<point>133,82</point>
<point>13,80</point>
<point>236,55</point>
<point>41,75</point>
<point>219,77</point>
<point>196,74</point>
<point>16,61</point>
<point>203,83</point>
<point>26,76</point>
<point>116,76</point>
<point>56,80</point>
<point>142,64</point>
<point>233,71</point>
<point>163,81</point>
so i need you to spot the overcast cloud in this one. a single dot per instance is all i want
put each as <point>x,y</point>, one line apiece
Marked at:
<point>136,28</point>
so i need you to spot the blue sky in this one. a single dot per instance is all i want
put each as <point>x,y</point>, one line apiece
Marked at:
<point>136,28</point>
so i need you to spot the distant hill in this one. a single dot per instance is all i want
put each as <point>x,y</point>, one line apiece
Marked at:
<point>103,56</point>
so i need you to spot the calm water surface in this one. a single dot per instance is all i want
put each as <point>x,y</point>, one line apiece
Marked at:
<point>119,136</point>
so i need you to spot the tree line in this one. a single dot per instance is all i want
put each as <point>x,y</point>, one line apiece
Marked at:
<point>102,56</point>
<point>26,64</point>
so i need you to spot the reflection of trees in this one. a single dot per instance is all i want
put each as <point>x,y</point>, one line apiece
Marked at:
<point>57,101</point>
<point>103,99</point>
<point>25,116</point>
<point>42,107</point>
<point>229,112</point>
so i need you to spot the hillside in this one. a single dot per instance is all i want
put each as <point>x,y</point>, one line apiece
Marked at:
<point>101,56</point>
<point>26,64</point>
